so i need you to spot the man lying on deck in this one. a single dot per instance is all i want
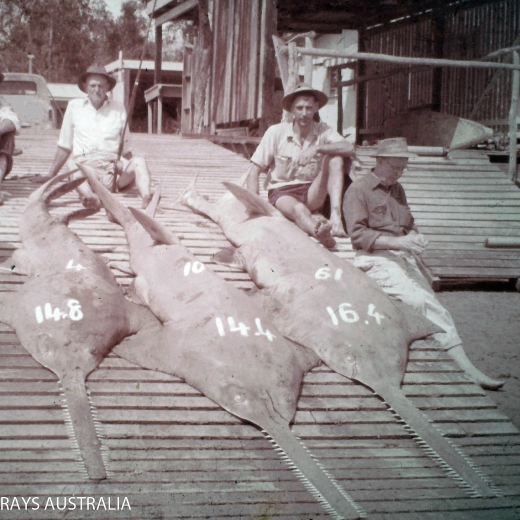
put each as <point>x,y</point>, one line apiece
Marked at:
<point>383,232</point>
<point>303,162</point>
<point>92,129</point>
<point>9,127</point>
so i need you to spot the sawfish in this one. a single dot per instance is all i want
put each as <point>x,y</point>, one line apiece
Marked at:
<point>69,313</point>
<point>326,304</point>
<point>220,342</point>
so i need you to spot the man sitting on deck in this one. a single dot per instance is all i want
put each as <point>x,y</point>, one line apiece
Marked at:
<point>9,127</point>
<point>304,164</point>
<point>92,131</point>
<point>383,232</point>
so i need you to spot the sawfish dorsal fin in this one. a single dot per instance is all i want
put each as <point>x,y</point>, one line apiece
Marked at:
<point>58,192</point>
<point>253,203</point>
<point>231,257</point>
<point>156,230</point>
<point>152,207</point>
<point>78,214</point>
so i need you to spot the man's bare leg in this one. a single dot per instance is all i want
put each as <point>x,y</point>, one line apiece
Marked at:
<point>4,162</point>
<point>302,217</point>
<point>335,191</point>
<point>137,170</point>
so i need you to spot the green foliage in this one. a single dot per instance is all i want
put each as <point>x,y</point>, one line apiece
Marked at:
<point>66,36</point>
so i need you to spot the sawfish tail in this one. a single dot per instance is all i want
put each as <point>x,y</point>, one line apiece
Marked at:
<point>451,458</point>
<point>318,481</point>
<point>82,426</point>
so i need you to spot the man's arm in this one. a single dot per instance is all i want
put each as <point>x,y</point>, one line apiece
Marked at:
<point>342,148</point>
<point>252,181</point>
<point>60,159</point>
<point>414,242</point>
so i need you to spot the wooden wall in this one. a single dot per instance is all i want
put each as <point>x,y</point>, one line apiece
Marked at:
<point>243,64</point>
<point>468,34</point>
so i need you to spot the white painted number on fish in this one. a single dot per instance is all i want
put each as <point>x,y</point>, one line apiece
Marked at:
<point>351,316</point>
<point>71,265</point>
<point>194,267</point>
<point>242,328</point>
<point>75,312</point>
<point>324,273</point>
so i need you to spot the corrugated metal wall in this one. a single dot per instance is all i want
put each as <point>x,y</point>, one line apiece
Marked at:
<point>468,34</point>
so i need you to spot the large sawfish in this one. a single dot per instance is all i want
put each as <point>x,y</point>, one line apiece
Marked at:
<point>69,313</point>
<point>326,304</point>
<point>219,341</point>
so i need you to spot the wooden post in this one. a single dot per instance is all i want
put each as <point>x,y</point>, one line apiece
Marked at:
<point>513,113</point>
<point>158,55</point>
<point>292,80</point>
<point>159,113</point>
<point>438,26</point>
<point>150,118</point>
<point>307,78</point>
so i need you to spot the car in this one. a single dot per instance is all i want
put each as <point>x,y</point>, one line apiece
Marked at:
<point>29,96</point>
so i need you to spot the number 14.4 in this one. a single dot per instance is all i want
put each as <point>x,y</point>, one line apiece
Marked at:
<point>243,328</point>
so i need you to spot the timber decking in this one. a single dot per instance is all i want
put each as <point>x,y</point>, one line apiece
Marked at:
<point>175,454</point>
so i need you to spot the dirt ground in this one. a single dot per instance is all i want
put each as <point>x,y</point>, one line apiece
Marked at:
<point>488,321</point>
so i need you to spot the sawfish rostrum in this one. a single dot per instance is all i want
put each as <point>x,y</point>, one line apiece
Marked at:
<point>219,341</point>
<point>324,303</point>
<point>69,313</point>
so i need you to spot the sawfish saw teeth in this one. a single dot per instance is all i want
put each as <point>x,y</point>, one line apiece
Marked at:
<point>310,486</point>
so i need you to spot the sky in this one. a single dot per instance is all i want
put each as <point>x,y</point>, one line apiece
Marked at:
<point>114,6</point>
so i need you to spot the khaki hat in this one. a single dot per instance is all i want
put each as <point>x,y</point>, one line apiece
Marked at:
<point>303,89</point>
<point>96,69</point>
<point>393,147</point>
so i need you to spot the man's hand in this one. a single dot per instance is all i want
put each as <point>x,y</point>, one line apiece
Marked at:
<point>413,242</point>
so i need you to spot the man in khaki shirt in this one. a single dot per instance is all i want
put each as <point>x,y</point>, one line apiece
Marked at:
<point>382,229</point>
<point>303,163</point>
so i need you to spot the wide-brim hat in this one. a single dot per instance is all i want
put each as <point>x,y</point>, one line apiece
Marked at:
<point>304,90</point>
<point>393,147</point>
<point>99,70</point>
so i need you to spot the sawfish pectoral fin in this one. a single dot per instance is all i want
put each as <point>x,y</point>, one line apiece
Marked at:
<point>141,319</point>
<point>17,263</point>
<point>318,481</point>
<point>81,424</point>
<point>156,230</point>
<point>417,325</point>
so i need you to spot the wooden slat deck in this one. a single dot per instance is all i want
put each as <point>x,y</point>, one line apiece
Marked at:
<point>175,454</point>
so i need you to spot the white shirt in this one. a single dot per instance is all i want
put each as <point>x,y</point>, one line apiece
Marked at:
<point>280,146</point>
<point>6,112</point>
<point>86,131</point>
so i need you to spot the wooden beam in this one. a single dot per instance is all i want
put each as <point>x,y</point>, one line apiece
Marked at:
<point>370,56</point>
<point>175,12</point>
<point>154,5</point>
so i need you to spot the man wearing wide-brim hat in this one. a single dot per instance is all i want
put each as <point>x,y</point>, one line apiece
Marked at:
<point>91,134</point>
<point>303,163</point>
<point>9,127</point>
<point>382,229</point>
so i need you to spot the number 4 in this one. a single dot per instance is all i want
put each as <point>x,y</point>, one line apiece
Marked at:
<point>71,265</point>
<point>376,315</point>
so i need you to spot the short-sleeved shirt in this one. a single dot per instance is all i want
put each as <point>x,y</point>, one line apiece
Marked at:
<point>86,131</point>
<point>6,112</point>
<point>280,147</point>
<point>371,209</point>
